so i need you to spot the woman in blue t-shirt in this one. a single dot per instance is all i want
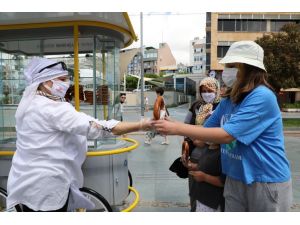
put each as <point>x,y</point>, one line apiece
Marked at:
<point>248,125</point>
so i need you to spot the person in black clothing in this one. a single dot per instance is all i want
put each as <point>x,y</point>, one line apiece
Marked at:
<point>205,173</point>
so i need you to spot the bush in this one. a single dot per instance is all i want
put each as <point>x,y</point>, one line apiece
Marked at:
<point>287,122</point>
<point>291,105</point>
<point>131,82</point>
<point>151,76</point>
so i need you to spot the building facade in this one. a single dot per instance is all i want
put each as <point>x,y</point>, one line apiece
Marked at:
<point>198,55</point>
<point>165,60</point>
<point>155,60</point>
<point>225,28</point>
<point>150,60</point>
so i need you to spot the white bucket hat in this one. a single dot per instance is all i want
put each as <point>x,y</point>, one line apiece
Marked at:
<point>247,52</point>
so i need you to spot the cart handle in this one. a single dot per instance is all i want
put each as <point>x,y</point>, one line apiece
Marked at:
<point>97,153</point>
<point>135,202</point>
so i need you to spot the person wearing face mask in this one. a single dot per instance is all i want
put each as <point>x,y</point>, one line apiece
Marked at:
<point>52,142</point>
<point>248,125</point>
<point>204,157</point>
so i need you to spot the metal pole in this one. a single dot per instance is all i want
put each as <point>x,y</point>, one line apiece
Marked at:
<point>124,77</point>
<point>76,68</point>
<point>94,78</point>
<point>142,69</point>
<point>95,83</point>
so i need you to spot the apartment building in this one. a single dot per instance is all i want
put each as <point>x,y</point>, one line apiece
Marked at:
<point>225,28</point>
<point>155,60</point>
<point>198,55</point>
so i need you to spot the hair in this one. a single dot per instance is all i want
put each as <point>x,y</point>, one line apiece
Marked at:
<point>251,77</point>
<point>122,94</point>
<point>159,90</point>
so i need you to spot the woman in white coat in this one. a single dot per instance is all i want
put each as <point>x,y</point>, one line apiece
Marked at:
<point>52,142</point>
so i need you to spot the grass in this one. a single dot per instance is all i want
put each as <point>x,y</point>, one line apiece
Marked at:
<point>291,122</point>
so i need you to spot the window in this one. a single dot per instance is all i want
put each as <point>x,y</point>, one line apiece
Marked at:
<point>242,25</point>
<point>208,37</point>
<point>222,51</point>
<point>229,25</point>
<point>208,19</point>
<point>276,25</point>
<point>207,58</point>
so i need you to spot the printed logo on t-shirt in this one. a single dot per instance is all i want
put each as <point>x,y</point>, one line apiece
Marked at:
<point>227,150</point>
<point>231,145</point>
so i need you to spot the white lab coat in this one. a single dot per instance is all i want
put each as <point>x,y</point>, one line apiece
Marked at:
<point>51,147</point>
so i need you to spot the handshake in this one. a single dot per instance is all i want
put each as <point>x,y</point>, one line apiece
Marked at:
<point>160,126</point>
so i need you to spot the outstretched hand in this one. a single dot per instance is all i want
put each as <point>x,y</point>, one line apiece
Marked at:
<point>146,124</point>
<point>166,127</point>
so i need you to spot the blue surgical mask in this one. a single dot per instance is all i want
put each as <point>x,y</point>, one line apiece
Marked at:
<point>229,76</point>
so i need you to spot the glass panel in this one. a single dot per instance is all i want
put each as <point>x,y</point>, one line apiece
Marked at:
<point>277,25</point>
<point>12,85</point>
<point>271,16</point>
<point>263,25</point>
<point>221,51</point>
<point>208,37</point>
<point>244,25</point>
<point>285,16</point>
<point>229,25</point>
<point>220,25</point>
<point>258,16</point>
<point>238,25</point>
<point>103,66</point>
<point>246,16</point>
<point>253,25</point>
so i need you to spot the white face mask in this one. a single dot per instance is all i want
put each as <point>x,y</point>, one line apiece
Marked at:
<point>208,97</point>
<point>59,88</point>
<point>229,76</point>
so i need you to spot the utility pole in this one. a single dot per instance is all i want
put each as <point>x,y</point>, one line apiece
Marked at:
<point>142,69</point>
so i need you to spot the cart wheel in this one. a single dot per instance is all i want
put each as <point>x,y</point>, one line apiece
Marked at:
<point>101,204</point>
<point>3,196</point>
<point>130,181</point>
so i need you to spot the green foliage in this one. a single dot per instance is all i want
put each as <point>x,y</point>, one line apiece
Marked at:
<point>291,105</point>
<point>131,82</point>
<point>287,122</point>
<point>151,75</point>
<point>282,56</point>
<point>161,73</point>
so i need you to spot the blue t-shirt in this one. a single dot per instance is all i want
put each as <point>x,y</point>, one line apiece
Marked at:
<point>257,153</point>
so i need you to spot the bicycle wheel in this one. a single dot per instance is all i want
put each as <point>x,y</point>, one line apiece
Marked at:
<point>130,181</point>
<point>3,196</point>
<point>101,204</point>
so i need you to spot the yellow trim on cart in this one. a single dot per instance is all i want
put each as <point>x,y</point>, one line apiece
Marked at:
<point>71,24</point>
<point>76,68</point>
<point>135,202</point>
<point>97,153</point>
<point>115,151</point>
<point>125,14</point>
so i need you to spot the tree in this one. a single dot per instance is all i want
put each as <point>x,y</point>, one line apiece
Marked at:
<point>282,56</point>
<point>131,82</point>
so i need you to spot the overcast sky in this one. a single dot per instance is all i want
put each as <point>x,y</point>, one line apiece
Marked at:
<point>175,28</point>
